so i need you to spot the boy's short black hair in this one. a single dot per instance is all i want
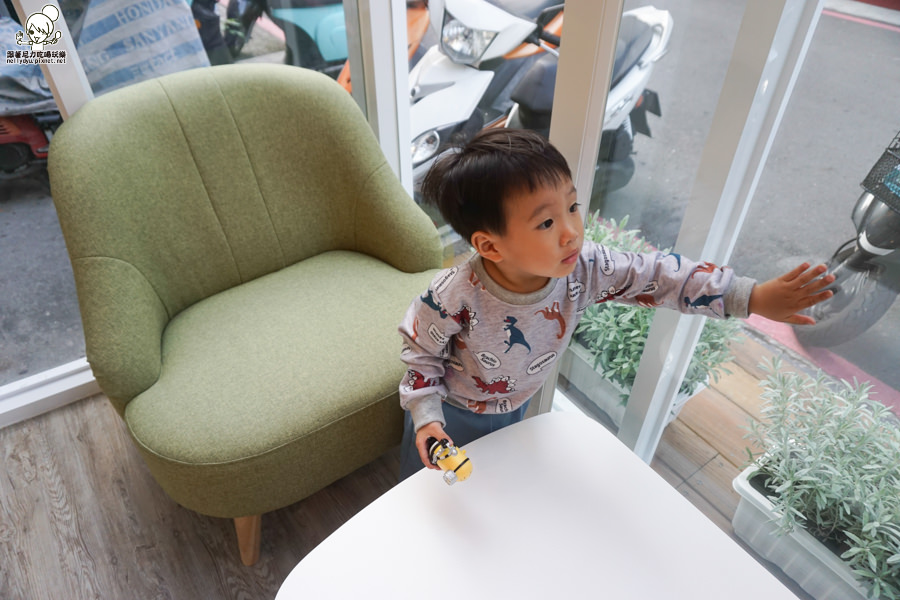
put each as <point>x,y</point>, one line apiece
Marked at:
<point>469,185</point>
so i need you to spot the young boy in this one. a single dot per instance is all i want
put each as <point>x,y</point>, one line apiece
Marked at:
<point>480,341</point>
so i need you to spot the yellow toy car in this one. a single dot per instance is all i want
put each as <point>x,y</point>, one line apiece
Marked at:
<point>452,460</point>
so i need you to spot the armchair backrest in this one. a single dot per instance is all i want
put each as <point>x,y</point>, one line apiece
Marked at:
<point>177,188</point>
<point>212,177</point>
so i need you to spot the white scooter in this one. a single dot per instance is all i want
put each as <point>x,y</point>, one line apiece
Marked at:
<point>495,66</point>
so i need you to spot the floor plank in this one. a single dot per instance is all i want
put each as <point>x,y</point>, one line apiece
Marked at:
<point>749,353</point>
<point>742,388</point>
<point>682,450</point>
<point>659,465</point>
<point>713,482</point>
<point>705,506</point>
<point>719,422</point>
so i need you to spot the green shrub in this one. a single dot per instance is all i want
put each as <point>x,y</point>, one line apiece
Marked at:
<point>831,463</point>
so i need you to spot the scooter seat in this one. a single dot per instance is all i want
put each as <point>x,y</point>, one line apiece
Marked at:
<point>634,38</point>
<point>534,93</point>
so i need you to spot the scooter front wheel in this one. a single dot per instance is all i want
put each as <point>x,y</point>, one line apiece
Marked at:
<point>859,301</point>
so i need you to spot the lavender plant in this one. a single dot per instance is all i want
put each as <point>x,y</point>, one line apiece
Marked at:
<point>831,465</point>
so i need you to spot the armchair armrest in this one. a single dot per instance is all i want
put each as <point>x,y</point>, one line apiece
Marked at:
<point>390,226</point>
<point>123,320</point>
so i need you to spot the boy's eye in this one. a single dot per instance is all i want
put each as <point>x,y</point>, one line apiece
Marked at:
<point>546,224</point>
<point>574,207</point>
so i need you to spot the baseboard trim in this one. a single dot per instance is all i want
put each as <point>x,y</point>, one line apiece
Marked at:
<point>41,393</point>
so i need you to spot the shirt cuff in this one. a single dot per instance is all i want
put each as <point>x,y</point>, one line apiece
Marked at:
<point>737,298</point>
<point>426,410</point>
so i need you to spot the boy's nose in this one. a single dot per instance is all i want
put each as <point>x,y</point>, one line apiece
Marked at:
<point>569,233</point>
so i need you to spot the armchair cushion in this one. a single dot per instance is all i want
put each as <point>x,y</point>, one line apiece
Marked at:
<point>260,378</point>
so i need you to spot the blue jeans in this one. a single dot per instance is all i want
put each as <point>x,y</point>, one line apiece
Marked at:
<point>463,426</point>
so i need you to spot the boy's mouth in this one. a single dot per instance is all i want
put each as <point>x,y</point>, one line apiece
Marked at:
<point>571,258</point>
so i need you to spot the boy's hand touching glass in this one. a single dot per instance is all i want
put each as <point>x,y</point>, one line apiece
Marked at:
<point>781,299</point>
<point>435,430</point>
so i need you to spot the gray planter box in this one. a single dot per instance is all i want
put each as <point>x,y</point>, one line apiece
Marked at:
<point>577,365</point>
<point>802,557</point>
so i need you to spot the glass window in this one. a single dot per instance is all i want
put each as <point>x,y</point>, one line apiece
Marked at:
<point>806,207</point>
<point>467,76</point>
<point>39,323</point>
<point>40,327</point>
<point>657,120</point>
<point>803,210</point>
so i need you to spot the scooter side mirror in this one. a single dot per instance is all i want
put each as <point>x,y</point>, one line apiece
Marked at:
<point>548,14</point>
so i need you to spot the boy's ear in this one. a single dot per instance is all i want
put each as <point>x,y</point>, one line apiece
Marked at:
<point>485,245</point>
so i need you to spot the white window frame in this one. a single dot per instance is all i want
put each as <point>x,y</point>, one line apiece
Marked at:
<point>579,107</point>
<point>379,70</point>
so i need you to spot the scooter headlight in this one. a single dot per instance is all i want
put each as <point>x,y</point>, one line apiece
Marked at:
<point>463,44</point>
<point>425,146</point>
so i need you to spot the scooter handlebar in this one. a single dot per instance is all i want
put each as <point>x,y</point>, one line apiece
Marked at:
<point>541,35</point>
<point>549,38</point>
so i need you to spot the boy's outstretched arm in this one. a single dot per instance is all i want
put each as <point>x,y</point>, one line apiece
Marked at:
<point>781,299</point>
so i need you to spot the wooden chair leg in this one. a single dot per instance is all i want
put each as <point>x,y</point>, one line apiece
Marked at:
<point>249,536</point>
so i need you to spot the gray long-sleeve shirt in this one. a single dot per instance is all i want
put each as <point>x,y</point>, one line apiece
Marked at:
<point>474,344</point>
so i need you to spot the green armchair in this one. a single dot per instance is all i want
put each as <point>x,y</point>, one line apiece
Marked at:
<point>242,255</point>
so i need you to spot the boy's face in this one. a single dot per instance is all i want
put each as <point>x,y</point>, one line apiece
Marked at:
<point>543,238</point>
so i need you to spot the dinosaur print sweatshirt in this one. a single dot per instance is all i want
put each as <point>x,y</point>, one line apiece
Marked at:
<point>472,343</point>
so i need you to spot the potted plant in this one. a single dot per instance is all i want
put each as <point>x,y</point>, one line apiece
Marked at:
<point>610,338</point>
<point>822,500</point>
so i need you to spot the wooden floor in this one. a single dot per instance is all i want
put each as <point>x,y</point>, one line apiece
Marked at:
<point>80,516</point>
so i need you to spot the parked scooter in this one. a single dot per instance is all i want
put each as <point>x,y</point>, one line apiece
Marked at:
<point>495,66</point>
<point>314,31</point>
<point>25,141</point>
<point>866,268</point>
